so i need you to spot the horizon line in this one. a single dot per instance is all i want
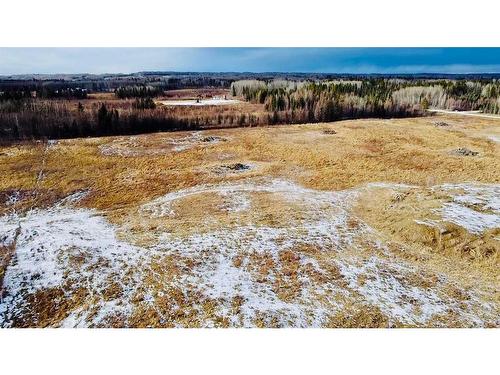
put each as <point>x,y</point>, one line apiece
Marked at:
<point>245,72</point>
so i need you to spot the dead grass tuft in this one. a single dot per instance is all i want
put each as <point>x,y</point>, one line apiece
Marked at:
<point>359,316</point>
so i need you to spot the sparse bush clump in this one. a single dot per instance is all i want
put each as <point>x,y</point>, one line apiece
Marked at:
<point>144,103</point>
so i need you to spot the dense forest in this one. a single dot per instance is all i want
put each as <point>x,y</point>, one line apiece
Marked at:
<point>333,100</point>
<point>67,107</point>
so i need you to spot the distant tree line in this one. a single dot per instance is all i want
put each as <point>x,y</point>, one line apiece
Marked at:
<point>54,120</point>
<point>109,83</point>
<point>324,101</point>
<point>23,116</point>
<point>332,100</point>
<point>125,92</point>
<point>44,93</point>
<point>47,120</point>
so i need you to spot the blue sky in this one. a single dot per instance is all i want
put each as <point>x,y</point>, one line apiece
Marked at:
<point>328,60</point>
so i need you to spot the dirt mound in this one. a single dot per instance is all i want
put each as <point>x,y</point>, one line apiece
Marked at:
<point>441,124</point>
<point>212,139</point>
<point>329,131</point>
<point>232,168</point>
<point>462,151</point>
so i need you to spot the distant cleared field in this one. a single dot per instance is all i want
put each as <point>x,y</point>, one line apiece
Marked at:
<point>359,223</point>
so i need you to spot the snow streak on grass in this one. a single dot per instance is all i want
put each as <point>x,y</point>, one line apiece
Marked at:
<point>139,146</point>
<point>289,191</point>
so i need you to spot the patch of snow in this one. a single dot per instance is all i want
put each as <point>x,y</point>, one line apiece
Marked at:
<point>494,138</point>
<point>194,139</point>
<point>475,207</point>
<point>180,148</point>
<point>235,201</point>
<point>218,278</point>
<point>472,220</point>
<point>428,223</point>
<point>202,102</point>
<point>73,198</point>
<point>8,231</point>
<point>381,288</point>
<point>485,195</point>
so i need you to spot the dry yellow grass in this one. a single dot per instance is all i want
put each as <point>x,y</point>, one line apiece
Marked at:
<point>411,151</point>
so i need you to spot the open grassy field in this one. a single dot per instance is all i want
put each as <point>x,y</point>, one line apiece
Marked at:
<point>359,223</point>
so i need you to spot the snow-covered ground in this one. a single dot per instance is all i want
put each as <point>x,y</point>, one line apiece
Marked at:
<point>258,265</point>
<point>64,247</point>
